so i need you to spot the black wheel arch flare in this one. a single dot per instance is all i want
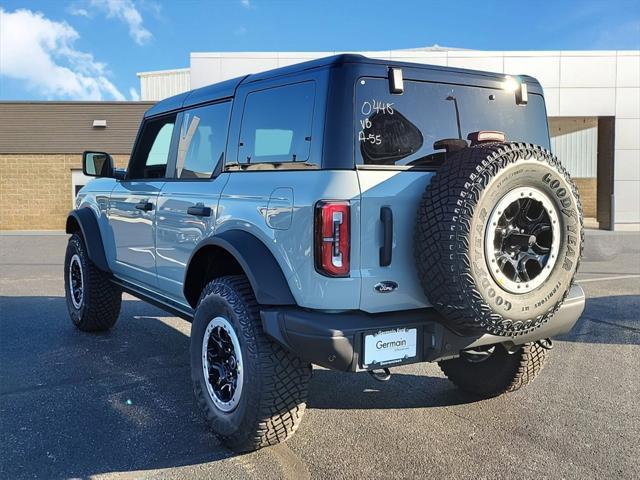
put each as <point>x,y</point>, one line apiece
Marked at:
<point>253,257</point>
<point>84,220</point>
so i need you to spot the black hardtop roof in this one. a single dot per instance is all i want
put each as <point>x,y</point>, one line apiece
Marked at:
<point>227,88</point>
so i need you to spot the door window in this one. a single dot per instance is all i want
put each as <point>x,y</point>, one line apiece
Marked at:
<point>276,126</point>
<point>151,155</point>
<point>203,137</point>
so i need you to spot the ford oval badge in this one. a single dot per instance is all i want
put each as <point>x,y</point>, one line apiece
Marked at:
<point>386,286</point>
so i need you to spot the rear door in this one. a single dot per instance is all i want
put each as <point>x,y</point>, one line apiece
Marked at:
<point>188,202</point>
<point>133,203</point>
<point>395,159</point>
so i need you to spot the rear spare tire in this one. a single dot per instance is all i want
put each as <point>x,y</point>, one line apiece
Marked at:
<point>499,238</point>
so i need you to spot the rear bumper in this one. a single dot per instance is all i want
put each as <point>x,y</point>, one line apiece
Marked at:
<point>335,340</point>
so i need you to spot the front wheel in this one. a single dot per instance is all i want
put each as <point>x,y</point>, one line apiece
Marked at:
<point>93,300</point>
<point>251,390</point>
<point>494,370</point>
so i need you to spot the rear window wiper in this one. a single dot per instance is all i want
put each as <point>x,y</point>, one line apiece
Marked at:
<point>435,158</point>
<point>450,145</point>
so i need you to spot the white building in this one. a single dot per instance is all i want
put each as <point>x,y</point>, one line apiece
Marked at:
<point>593,103</point>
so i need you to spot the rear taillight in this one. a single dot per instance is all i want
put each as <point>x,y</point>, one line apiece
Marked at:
<point>332,238</point>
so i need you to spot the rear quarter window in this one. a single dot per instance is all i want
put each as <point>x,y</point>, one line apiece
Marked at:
<point>277,123</point>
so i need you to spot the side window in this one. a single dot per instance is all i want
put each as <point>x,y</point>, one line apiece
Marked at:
<point>152,151</point>
<point>276,125</point>
<point>203,137</point>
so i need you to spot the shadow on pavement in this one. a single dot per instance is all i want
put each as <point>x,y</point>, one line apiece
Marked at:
<point>74,404</point>
<point>610,320</point>
<point>338,390</point>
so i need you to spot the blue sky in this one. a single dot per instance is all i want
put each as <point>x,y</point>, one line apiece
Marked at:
<point>92,49</point>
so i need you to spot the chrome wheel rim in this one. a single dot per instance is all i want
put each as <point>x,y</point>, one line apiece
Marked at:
<point>222,364</point>
<point>76,281</point>
<point>522,240</point>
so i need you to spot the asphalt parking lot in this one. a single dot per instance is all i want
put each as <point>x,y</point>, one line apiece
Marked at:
<point>119,405</point>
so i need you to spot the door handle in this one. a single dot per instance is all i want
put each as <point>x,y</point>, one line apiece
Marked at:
<point>199,211</point>
<point>144,206</point>
<point>386,217</point>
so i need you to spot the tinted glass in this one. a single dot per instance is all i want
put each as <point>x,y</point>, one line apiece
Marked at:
<point>401,129</point>
<point>152,150</point>
<point>203,136</point>
<point>276,126</point>
<point>159,153</point>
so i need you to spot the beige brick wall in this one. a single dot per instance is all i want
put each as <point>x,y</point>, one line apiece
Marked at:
<point>35,190</point>
<point>588,188</point>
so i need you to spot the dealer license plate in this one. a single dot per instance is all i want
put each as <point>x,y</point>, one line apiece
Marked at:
<point>390,346</point>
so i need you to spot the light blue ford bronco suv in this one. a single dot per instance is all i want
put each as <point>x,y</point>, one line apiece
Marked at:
<point>352,213</point>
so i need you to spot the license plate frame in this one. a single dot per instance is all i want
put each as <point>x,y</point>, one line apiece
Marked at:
<point>383,348</point>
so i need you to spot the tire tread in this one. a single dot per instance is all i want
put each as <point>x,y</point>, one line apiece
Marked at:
<point>102,298</point>
<point>505,374</point>
<point>280,405</point>
<point>441,238</point>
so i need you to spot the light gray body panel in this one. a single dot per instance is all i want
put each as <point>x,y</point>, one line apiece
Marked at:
<point>249,196</point>
<point>134,230</point>
<point>401,191</point>
<point>152,249</point>
<point>178,233</point>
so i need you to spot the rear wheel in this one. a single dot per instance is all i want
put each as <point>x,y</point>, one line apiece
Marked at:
<point>494,370</point>
<point>93,300</point>
<point>250,389</point>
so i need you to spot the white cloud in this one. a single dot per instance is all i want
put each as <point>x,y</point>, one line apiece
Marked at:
<point>246,3</point>
<point>127,12</point>
<point>133,93</point>
<point>78,12</point>
<point>41,52</point>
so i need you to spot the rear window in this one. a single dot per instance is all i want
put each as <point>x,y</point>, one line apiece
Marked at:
<point>401,129</point>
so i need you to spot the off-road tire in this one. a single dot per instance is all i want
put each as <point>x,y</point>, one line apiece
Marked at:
<point>502,372</point>
<point>102,299</point>
<point>275,382</point>
<point>450,237</point>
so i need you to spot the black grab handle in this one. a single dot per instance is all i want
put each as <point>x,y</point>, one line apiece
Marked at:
<point>144,206</point>
<point>199,211</point>
<point>386,217</point>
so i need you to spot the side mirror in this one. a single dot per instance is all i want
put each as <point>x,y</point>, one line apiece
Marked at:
<point>97,164</point>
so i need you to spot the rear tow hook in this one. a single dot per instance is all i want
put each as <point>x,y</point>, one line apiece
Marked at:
<point>545,343</point>
<point>380,374</point>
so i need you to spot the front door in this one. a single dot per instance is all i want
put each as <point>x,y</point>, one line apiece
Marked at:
<point>188,202</point>
<point>133,203</point>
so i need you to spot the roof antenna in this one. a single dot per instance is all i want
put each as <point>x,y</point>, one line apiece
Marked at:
<point>450,97</point>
